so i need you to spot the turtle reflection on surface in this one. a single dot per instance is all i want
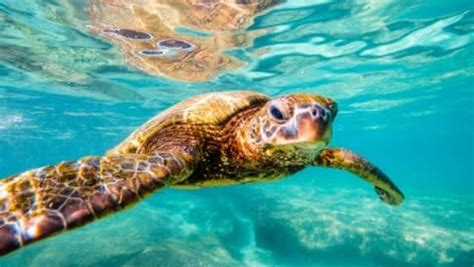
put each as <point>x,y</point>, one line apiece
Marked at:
<point>148,33</point>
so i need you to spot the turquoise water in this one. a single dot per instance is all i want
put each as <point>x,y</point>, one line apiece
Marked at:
<point>401,71</point>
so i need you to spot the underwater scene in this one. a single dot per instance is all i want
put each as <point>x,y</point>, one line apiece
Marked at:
<point>78,77</point>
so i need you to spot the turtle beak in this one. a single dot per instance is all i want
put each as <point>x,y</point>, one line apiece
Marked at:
<point>310,128</point>
<point>314,126</point>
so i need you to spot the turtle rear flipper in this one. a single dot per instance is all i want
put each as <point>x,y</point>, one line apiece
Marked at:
<point>42,202</point>
<point>347,160</point>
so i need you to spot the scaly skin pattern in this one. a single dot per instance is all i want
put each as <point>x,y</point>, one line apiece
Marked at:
<point>208,140</point>
<point>42,202</point>
<point>347,160</point>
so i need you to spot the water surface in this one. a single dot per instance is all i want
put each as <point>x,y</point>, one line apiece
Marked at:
<point>402,74</point>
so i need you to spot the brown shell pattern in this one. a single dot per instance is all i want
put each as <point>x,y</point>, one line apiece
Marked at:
<point>205,109</point>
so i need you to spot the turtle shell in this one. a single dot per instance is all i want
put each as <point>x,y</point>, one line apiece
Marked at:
<point>211,109</point>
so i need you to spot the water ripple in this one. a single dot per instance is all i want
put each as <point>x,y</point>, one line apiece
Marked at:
<point>401,71</point>
<point>431,35</point>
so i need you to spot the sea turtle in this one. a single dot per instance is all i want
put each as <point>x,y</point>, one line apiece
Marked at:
<point>212,139</point>
<point>182,40</point>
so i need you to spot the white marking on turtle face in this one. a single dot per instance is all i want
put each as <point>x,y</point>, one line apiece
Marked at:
<point>291,123</point>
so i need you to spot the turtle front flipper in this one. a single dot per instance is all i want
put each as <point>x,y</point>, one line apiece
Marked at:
<point>347,160</point>
<point>45,201</point>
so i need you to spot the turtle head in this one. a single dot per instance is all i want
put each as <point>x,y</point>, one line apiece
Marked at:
<point>293,127</point>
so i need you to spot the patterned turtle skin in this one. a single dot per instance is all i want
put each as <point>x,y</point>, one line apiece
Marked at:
<point>208,140</point>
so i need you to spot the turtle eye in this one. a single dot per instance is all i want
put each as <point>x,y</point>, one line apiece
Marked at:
<point>276,113</point>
